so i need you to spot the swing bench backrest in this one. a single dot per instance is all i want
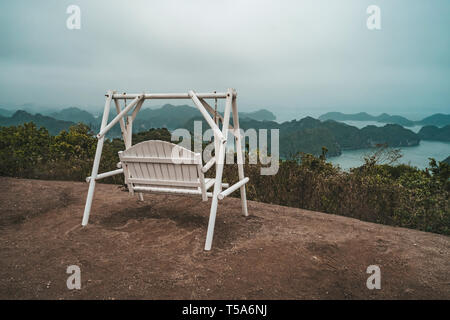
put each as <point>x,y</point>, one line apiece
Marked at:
<point>160,166</point>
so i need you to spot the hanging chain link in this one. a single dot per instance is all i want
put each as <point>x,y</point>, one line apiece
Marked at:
<point>215,109</point>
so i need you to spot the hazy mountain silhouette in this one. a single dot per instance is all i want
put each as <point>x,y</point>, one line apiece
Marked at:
<point>437,119</point>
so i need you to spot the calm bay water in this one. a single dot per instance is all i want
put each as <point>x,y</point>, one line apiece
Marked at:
<point>415,156</point>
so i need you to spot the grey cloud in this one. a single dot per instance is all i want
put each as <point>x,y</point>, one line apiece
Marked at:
<point>290,56</point>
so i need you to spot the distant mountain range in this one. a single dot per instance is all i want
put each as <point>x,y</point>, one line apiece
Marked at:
<point>307,135</point>
<point>167,116</point>
<point>53,125</point>
<point>260,115</point>
<point>438,119</point>
<point>8,110</point>
<point>76,115</point>
<point>6,113</point>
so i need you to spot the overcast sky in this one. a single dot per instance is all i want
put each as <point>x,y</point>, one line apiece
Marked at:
<point>291,57</point>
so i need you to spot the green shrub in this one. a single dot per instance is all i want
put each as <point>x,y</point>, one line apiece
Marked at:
<point>22,148</point>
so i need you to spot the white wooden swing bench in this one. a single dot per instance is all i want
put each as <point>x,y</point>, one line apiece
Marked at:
<point>164,167</point>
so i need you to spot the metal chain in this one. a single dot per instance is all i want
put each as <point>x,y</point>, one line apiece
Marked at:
<point>125,101</point>
<point>215,109</point>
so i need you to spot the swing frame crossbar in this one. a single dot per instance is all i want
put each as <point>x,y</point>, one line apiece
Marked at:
<point>211,116</point>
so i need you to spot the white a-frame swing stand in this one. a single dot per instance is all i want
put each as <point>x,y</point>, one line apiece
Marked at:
<point>159,166</point>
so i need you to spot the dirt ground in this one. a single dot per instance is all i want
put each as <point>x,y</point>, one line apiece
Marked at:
<point>154,249</point>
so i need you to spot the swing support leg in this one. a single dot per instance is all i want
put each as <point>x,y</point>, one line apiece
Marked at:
<point>127,130</point>
<point>240,159</point>
<point>220,163</point>
<point>98,155</point>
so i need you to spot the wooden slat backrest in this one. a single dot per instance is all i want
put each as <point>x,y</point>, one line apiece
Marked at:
<point>161,163</point>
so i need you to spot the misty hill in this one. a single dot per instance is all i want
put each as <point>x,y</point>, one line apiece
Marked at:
<point>74,114</point>
<point>53,125</point>
<point>31,108</point>
<point>309,135</point>
<point>5,113</point>
<point>336,136</point>
<point>339,116</point>
<point>435,133</point>
<point>173,117</point>
<point>260,115</point>
<point>447,160</point>
<point>363,116</point>
<point>437,119</point>
<point>386,118</point>
<point>168,116</point>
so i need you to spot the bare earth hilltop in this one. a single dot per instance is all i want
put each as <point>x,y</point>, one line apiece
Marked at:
<point>154,249</point>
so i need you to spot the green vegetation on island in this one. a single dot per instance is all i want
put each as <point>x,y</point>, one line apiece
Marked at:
<point>309,135</point>
<point>435,133</point>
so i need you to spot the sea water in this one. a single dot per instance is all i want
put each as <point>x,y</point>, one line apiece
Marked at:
<point>416,156</point>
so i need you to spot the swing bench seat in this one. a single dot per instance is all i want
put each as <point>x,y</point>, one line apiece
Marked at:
<point>164,167</point>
